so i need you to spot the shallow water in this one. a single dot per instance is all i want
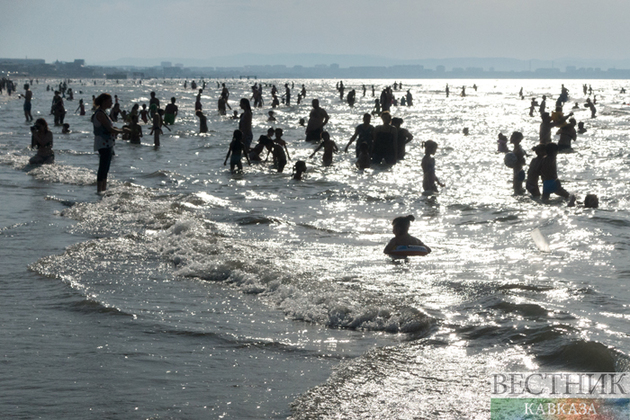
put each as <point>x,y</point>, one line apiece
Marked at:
<point>187,292</point>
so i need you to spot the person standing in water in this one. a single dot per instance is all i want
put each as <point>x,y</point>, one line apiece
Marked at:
<point>237,150</point>
<point>245,123</point>
<point>170,112</point>
<point>28,95</point>
<point>329,148</point>
<point>317,119</point>
<point>104,138</point>
<point>518,172</point>
<point>428,167</point>
<point>385,141</point>
<point>363,133</point>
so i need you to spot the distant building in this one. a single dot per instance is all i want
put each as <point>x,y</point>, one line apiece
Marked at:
<point>166,64</point>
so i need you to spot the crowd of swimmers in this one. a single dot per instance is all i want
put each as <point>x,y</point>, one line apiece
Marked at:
<point>543,165</point>
<point>374,145</point>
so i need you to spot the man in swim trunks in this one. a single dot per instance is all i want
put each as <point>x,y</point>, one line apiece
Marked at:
<point>170,112</point>
<point>317,119</point>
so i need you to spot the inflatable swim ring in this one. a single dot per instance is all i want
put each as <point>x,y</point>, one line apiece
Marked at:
<point>403,251</point>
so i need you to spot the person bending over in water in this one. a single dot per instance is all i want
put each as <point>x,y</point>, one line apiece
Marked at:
<point>329,148</point>
<point>428,167</point>
<point>549,174</point>
<point>533,172</point>
<point>237,149</point>
<point>43,141</point>
<point>400,228</point>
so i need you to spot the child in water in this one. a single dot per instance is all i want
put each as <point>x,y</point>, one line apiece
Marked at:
<point>237,150</point>
<point>156,130</point>
<point>298,170</point>
<point>428,167</point>
<point>401,235</point>
<point>329,146</point>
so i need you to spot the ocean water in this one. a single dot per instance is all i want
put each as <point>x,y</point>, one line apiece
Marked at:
<point>186,292</point>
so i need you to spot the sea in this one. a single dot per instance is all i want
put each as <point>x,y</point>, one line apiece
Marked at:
<point>189,292</point>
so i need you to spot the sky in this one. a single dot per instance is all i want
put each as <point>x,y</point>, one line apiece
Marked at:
<point>106,30</point>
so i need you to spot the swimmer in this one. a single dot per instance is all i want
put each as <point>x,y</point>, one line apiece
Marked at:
<point>591,106</point>
<point>533,172</point>
<point>363,159</point>
<point>65,129</point>
<point>203,122</point>
<point>135,130</point>
<point>567,134</point>
<point>518,172</point>
<point>363,133</point>
<point>590,201</point>
<point>271,117</point>
<point>80,108</point>
<point>400,228</point>
<point>532,107</point>
<point>43,142</point>
<point>502,144</point>
<point>154,104</point>
<point>156,130</point>
<point>404,137</point>
<point>317,119</point>
<point>581,129</point>
<point>428,167</point>
<point>385,141</point>
<point>329,148</point>
<point>144,114</point>
<point>278,132</point>
<point>28,96</point>
<point>237,149</point>
<point>298,170</point>
<point>549,174</point>
<point>170,112</point>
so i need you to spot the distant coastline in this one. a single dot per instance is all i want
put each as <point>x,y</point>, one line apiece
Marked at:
<point>472,68</point>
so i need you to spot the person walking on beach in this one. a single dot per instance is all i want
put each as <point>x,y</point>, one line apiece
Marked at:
<point>104,138</point>
<point>317,119</point>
